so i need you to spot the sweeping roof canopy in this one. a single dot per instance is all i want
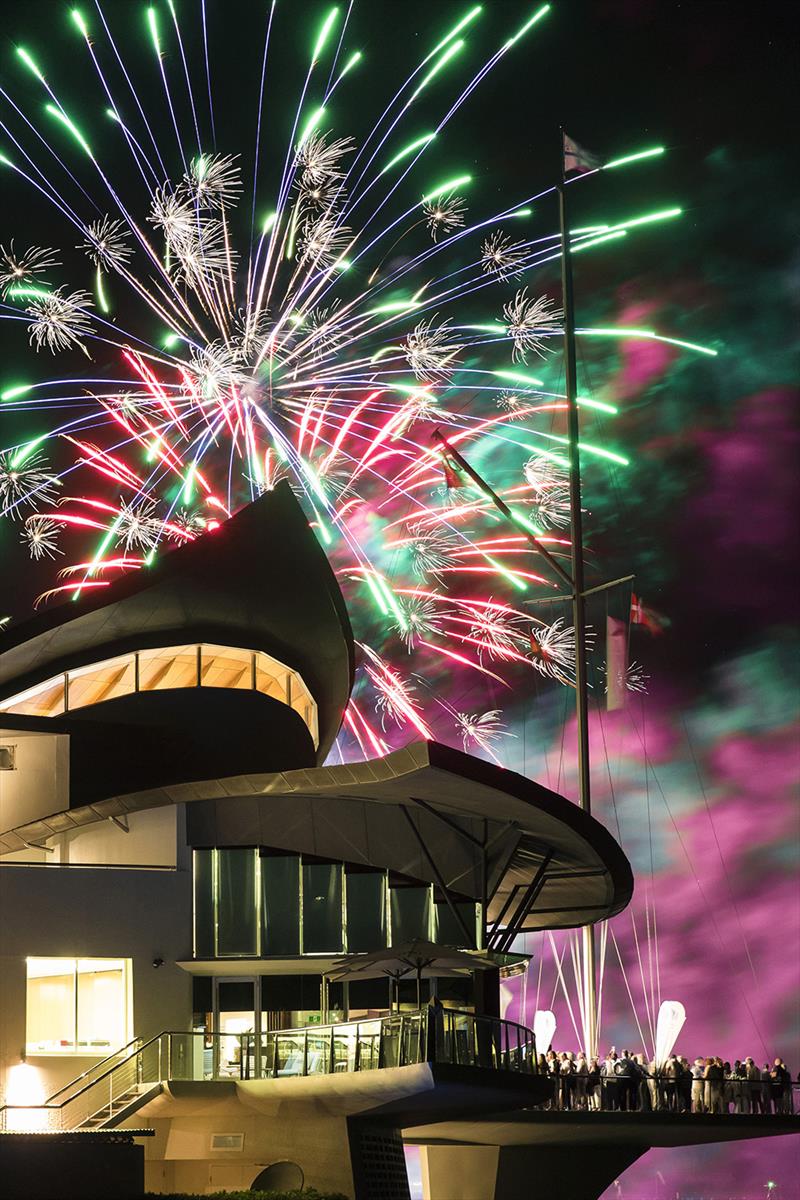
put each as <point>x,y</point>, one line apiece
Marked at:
<point>260,581</point>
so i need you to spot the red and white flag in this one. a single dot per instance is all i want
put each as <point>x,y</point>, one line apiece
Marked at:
<point>578,159</point>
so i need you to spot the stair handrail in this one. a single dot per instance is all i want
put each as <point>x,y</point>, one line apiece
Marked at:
<point>96,1067</point>
<point>46,1105</point>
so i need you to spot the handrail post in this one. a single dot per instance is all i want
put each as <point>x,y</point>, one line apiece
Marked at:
<point>332,1054</point>
<point>305,1053</point>
<point>430,1039</point>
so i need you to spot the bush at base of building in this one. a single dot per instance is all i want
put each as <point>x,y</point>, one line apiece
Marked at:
<point>294,1194</point>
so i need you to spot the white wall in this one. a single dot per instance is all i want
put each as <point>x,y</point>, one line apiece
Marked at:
<point>40,783</point>
<point>74,912</point>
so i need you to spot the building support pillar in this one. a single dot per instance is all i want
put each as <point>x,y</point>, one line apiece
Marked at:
<point>472,1172</point>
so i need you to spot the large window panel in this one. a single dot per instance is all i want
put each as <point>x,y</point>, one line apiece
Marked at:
<point>101,1004</point>
<point>411,913</point>
<point>44,700</point>
<point>50,1010</point>
<point>280,904</point>
<point>273,679</point>
<point>366,911</point>
<point>223,667</point>
<point>447,929</point>
<point>173,667</point>
<point>102,681</point>
<point>78,1006</point>
<point>237,932</point>
<point>203,903</point>
<point>168,667</point>
<point>322,908</point>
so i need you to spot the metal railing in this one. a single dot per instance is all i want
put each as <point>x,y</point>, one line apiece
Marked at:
<point>102,1093</point>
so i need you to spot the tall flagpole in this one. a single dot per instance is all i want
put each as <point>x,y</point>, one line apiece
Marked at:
<point>578,606</point>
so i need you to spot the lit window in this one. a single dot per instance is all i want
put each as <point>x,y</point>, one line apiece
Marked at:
<point>44,700</point>
<point>172,667</point>
<point>168,667</point>
<point>78,1005</point>
<point>102,681</point>
<point>224,667</point>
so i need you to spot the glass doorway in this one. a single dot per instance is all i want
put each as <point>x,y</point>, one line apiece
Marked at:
<point>236,1017</point>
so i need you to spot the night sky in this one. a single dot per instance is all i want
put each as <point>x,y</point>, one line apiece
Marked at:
<point>701,778</point>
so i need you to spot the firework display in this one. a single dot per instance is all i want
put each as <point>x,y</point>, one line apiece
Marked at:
<point>378,299</point>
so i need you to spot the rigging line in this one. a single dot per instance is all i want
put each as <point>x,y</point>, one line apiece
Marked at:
<point>703,896</point>
<point>719,848</point>
<point>610,779</point>
<point>555,985</point>
<point>603,947</point>
<point>647,906</point>
<point>577,973</point>
<point>650,947</point>
<point>539,976</point>
<point>564,987</point>
<point>648,1011</point>
<point>630,997</point>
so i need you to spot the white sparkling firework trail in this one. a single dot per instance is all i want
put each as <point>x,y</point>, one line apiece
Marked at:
<point>29,482</point>
<point>214,180</point>
<point>419,618</point>
<point>60,319</point>
<point>40,535</point>
<point>431,550</point>
<point>137,526</point>
<point>431,350</point>
<point>106,243</point>
<point>498,631</point>
<point>321,159</point>
<point>444,214</point>
<point>550,483</point>
<point>481,729</point>
<point>529,321</point>
<point>552,651</point>
<point>23,269</point>
<point>502,256</point>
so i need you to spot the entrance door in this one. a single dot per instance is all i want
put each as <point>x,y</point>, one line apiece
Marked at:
<point>237,1019</point>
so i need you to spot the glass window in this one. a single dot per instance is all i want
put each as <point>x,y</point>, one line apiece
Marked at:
<point>447,929</point>
<point>222,667</point>
<point>411,913</point>
<point>44,700</point>
<point>101,681</point>
<point>366,910</point>
<point>77,1006</point>
<point>272,678</point>
<point>322,908</point>
<point>237,932</point>
<point>204,903</point>
<point>280,904</point>
<point>101,1004</point>
<point>171,667</point>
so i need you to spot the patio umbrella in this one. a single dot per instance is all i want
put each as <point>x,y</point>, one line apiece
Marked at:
<point>418,956</point>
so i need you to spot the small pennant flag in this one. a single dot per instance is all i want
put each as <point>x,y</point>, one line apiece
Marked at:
<point>578,159</point>
<point>453,476</point>
<point>654,622</point>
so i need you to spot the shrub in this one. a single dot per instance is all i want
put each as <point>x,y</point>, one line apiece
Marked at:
<point>294,1194</point>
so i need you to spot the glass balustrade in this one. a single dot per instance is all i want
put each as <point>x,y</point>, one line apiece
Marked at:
<point>402,1039</point>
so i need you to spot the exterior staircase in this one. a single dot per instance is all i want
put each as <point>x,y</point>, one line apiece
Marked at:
<point>122,1106</point>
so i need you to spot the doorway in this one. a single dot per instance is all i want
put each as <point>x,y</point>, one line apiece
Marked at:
<point>236,1018</point>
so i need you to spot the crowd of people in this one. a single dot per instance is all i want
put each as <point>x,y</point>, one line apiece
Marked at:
<point>629,1083</point>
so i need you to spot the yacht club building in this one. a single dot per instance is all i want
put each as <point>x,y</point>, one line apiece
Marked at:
<point>180,873</point>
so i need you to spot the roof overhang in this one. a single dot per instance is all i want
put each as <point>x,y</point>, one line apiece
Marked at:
<point>426,804</point>
<point>261,581</point>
